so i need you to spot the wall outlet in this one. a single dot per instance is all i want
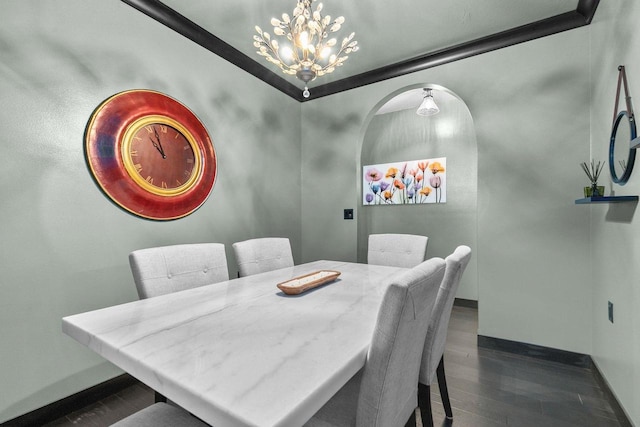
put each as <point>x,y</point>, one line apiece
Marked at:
<point>610,305</point>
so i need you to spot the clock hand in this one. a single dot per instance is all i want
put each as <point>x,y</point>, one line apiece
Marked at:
<point>159,144</point>
<point>158,147</point>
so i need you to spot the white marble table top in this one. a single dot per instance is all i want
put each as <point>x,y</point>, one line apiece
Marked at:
<point>242,353</point>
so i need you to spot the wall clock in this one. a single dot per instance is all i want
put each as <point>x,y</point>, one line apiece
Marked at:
<point>150,154</point>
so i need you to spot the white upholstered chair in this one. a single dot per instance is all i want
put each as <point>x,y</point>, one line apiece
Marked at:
<point>265,254</point>
<point>384,392</point>
<point>397,250</point>
<point>432,356</point>
<point>166,269</point>
<point>161,415</point>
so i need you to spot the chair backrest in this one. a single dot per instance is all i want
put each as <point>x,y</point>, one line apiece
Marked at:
<point>437,332</point>
<point>265,254</point>
<point>389,387</point>
<point>166,269</point>
<point>397,250</point>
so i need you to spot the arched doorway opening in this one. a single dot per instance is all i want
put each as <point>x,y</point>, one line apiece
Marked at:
<point>394,133</point>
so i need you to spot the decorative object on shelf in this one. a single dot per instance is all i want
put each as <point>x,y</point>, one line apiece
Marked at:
<point>622,153</point>
<point>150,154</point>
<point>594,191</point>
<point>428,106</point>
<point>306,53</point>
<point>412,182</point>
<point>593,173</point>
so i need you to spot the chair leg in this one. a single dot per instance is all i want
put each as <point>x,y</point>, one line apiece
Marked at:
<point>444,393</point>
<point>424,402</point>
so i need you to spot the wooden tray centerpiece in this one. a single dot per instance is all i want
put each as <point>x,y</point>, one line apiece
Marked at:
<point>301,284</point>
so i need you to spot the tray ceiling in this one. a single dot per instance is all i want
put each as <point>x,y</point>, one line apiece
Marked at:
<point>394,37</point>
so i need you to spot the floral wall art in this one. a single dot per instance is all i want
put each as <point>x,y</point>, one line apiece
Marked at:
<point>412,182</point>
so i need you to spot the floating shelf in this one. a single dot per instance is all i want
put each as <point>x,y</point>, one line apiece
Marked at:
<point>606,199</point>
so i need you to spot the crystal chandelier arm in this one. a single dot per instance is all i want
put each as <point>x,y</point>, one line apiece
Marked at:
<point>348,45</point>
<point>290,34</point>
<point>266,48</point>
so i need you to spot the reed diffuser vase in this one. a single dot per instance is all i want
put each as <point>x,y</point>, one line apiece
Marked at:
<point>593,173</point>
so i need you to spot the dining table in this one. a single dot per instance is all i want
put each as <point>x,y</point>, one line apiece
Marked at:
<point>242,352</point>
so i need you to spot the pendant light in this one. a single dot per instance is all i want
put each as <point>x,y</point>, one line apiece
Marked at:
<point>428,106</point>
<point>305,49</point>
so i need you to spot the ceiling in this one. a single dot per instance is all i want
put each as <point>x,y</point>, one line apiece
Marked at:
<point>395,37</point>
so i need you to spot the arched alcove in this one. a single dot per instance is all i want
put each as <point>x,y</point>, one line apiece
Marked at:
<point>395,133</point>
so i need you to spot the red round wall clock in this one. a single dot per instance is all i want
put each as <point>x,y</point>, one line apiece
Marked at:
<point>150,154</point>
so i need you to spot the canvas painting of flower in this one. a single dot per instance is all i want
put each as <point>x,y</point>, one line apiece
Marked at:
<point>412,182</point>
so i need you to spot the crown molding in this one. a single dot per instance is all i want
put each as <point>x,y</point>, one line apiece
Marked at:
<point>170,18</point>
<point>157,10</point>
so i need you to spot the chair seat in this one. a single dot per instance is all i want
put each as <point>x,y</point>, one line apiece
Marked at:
<point>161,415</point>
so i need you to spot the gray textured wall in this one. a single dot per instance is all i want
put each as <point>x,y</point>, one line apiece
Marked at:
<point>64,245</point>
<point>545,267</point>
<point>530,108</point>
<point>614,229</point>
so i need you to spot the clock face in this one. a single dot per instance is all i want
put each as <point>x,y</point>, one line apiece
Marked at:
<point>150,155</point>
<point>159,155</point>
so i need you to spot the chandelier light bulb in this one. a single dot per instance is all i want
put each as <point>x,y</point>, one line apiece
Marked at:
<point>304,40</point>
<point>286,53</point>
<point>326,51</point>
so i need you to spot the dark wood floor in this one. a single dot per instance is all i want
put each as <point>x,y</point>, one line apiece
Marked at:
<point>111,409</point>
<point>486,387</point>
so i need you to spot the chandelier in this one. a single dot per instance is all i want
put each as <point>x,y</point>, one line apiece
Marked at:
<point>307,52</point>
